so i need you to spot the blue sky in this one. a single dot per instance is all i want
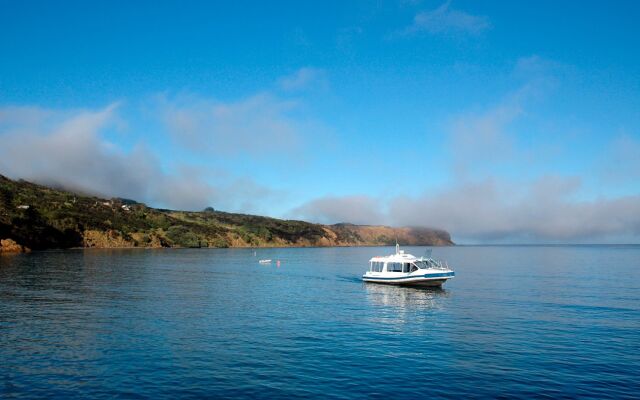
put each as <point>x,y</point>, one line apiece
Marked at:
<point>498,121</point>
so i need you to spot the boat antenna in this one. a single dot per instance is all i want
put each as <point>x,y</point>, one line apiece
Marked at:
<point>397,246</point>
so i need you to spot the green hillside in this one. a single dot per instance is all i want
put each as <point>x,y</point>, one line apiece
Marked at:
<point>39,217</point>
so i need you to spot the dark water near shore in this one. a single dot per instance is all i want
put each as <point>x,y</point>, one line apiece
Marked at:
<point>559,321</point>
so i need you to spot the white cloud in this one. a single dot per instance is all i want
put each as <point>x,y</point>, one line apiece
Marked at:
<point>446,20</point>
<point>480,140</point>
<point>257,125</point>
<point>68,149</point>
<point>487,137</point>
<point>302,79</point>
<point>621,160</point>
<point>538,68</point>
<point>331,209</point>
<point>544,210</point>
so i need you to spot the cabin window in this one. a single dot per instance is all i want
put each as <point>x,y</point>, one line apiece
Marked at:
<point>394,267</point>
<point>376,266</point>
<point>413,268</point>
<point>405,267</point>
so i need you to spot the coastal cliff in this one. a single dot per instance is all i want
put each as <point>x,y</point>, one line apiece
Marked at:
<point>38,217</point>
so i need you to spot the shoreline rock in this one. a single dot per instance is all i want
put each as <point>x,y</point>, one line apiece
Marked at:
<point>10,246</point>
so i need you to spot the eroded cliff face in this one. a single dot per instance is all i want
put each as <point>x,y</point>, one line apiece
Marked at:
<point>372,235</point>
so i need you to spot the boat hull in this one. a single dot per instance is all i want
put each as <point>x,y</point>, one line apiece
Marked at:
<point>419,283</point>
<point>428,280</point>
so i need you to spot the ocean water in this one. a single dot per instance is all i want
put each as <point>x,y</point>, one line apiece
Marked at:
<point>517,321</point>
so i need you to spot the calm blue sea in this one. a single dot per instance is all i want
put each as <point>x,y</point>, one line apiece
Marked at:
<point>517,321</point>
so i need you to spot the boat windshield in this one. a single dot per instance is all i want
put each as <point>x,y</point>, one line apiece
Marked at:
<point>426,264</point>
<point>422,264</point>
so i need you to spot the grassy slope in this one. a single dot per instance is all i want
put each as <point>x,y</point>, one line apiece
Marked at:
<point>60,219</point>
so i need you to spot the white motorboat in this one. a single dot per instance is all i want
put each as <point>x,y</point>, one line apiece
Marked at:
<point>405,269</point>
<point>265,261</point>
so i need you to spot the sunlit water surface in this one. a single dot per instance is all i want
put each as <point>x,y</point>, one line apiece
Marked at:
<point>516,321</point>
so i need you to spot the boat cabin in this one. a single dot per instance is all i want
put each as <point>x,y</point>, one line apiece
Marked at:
<point>399,266</point>
<point>391,266</point>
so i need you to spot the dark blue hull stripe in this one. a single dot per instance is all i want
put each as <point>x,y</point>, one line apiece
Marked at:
<point>441,275</point>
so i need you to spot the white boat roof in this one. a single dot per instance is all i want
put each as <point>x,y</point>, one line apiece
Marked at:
<point>400,256</point>
<point>395,258</point>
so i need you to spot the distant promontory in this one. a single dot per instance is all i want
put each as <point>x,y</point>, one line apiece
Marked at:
<point>35,217</point>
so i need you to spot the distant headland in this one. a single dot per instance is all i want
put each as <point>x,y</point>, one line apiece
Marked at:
<point>36,217</point>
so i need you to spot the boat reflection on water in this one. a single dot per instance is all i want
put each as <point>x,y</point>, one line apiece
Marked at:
<point>395,306</point>
<point>405,296</point>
